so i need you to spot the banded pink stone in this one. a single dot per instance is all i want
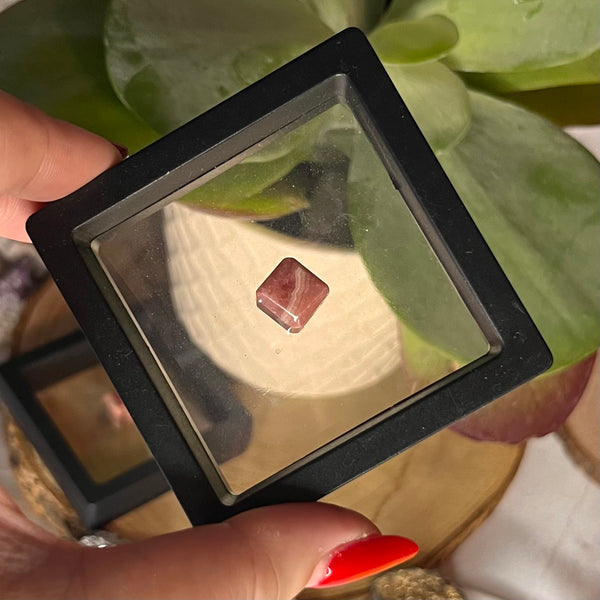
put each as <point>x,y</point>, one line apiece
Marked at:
<point>291,294</point>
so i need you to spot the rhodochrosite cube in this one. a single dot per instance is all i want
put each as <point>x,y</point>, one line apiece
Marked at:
<point>291,294</point>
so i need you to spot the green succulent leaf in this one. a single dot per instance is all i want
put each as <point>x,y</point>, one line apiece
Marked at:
<point>510,35</point>
<point>533,192</point>
<point>402,264</point>
<point>414,41</point>
<point>266,204</point>
<point>437,99</point>
<point>339,14</point>
<point>171,64</point>
<point>579,72</point>
<point>425,362</point>
<point>252,191</point>
<point>52,56</point>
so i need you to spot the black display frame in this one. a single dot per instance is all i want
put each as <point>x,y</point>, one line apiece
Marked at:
<point>342,69</point>
<point>96,503</point>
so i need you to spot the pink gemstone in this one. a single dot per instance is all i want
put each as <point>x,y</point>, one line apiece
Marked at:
<point>291,294</point>
<point>115,409</point>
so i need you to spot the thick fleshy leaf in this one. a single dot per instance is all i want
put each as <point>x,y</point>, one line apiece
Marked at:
<point>533,410</point>
<point>424,362</point>
<point>401,262</point>
<point>170,63</point>
<point>419,40</point>
<point>242,190</point>
<point>510,35</point>
<point>264,205</point>
<point>52,56</point>
<point>437,99</point>
<point>533,192</point>
<point>339,14</point>
<point>579,72</point>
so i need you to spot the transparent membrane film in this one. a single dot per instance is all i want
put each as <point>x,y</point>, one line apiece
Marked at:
<point>290,298</point>
<point>92,419</point>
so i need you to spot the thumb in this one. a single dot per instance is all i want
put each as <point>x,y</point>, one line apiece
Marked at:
<point>269,552</point>
<point>266,553</point>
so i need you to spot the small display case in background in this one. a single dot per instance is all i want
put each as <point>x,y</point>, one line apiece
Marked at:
<point>172,263</point>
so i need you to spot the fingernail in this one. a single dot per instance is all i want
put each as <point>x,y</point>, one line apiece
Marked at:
<point>364,557</point>
<point>122,150</point>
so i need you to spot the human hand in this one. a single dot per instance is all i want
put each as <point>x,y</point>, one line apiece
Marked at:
<point>42,159</point>
<point>271,552</point>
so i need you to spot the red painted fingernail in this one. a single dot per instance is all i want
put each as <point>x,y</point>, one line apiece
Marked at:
<point>364,557</point>
<point>122,150</point>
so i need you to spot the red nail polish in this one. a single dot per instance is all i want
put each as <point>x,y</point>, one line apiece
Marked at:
<point>364,557</point>
<point>123,151</point>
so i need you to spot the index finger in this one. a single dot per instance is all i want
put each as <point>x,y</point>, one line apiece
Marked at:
<point>42,159</point>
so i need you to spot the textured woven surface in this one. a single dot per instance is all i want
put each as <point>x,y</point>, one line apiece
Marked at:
<point>216,265</point>
<point>412,584</point>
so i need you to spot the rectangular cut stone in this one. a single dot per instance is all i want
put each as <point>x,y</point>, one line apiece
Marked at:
<point>291,294</point>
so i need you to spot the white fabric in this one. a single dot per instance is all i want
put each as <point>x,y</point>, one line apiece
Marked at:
<point>543,540</point>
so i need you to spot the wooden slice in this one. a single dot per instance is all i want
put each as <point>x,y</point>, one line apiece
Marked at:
<point>438,492</point>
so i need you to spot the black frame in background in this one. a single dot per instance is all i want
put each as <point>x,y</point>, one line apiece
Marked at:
<point>346,69</point>
<point>95,503</point>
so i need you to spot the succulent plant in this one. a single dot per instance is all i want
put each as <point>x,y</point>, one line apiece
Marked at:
<point>132,70</point>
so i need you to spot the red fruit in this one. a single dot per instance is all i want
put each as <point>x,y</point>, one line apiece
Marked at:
<point>532,410</point>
